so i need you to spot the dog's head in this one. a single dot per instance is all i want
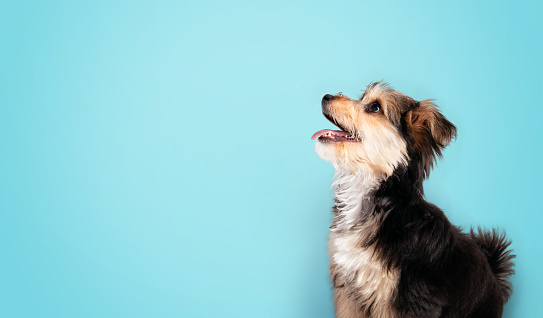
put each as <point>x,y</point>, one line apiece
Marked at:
<point>381,131</point>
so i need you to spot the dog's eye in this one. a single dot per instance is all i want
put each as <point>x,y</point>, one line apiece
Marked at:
<point>374,107</point>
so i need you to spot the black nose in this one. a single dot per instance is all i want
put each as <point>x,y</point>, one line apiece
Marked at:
<point>327,98</point>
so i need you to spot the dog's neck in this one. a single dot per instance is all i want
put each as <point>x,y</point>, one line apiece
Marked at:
<point>361,194</point>
<point>354,192</point>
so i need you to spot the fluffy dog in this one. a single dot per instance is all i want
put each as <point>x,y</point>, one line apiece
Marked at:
<point>393,254</point>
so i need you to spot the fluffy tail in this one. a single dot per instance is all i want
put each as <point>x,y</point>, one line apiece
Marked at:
<point>495,245</point>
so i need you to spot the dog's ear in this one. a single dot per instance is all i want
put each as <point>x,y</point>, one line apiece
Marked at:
<point>427,120</point>
<point>430,130</point>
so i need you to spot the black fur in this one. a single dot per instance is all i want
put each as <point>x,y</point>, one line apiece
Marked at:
<point>443,271</point>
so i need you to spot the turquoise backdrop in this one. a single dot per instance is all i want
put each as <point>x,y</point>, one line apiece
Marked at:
<point>156,161</point>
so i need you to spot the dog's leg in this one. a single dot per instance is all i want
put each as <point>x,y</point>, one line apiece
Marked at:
<point>345,307</point>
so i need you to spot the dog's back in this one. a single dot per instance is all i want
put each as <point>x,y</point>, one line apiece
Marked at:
<point>480,267</point>
<point>443,272</point>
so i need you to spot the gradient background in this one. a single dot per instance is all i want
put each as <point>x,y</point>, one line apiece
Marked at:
<point>156,162</point>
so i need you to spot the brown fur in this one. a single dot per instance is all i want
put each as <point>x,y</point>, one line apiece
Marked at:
<point>431,131</point>
<point>346,307</point>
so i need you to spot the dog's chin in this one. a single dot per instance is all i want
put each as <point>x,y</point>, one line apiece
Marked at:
<point>326,151</point>
<point>334,152</point>
<point>347,156</point>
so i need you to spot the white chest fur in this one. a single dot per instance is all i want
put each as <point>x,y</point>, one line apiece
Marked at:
<point>356,267</point>
<point>362,275</point>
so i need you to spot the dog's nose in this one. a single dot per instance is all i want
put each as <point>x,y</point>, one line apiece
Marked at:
<point>327,98</point>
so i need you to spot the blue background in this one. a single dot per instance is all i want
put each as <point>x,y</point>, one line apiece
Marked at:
<point>156,162</point>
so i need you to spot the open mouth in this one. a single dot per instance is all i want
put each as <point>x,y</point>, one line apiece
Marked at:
<point>327,135</point>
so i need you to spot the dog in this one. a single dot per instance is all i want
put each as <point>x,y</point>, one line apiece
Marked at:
<point>393,254</point>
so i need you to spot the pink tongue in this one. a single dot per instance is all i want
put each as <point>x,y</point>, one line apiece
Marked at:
<point>333,132</point>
